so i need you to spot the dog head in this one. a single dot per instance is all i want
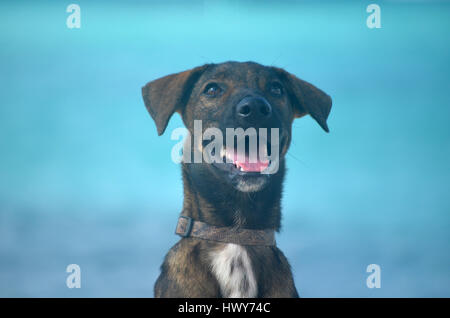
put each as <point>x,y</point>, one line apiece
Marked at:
<point>256,102</point>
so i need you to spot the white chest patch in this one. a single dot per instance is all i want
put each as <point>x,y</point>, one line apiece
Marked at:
<point>233,270</point>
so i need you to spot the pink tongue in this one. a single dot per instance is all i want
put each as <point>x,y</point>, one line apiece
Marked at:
<point>251,167</point>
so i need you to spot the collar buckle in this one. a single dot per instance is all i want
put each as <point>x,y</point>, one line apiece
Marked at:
<point>184,230</point>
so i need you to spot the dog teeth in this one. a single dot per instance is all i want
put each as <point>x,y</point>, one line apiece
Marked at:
<point>239,167</point>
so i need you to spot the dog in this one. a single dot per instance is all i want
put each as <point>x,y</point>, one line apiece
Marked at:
<point>231,210</point>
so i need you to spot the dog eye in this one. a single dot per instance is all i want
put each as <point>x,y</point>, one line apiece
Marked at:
<point>212,90</point>
<point>276,89</point>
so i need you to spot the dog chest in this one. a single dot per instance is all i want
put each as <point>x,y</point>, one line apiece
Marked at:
<point>232,267</point>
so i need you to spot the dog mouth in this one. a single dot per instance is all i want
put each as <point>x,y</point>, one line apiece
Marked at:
<point>248,168</point>
<point>246,161</point>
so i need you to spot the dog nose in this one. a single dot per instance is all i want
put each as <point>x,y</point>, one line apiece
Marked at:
<point>253,109</point>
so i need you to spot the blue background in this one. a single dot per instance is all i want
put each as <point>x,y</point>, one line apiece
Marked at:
<point>85,179</point>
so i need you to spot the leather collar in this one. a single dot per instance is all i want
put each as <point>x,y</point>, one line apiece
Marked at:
<point>188,227</point>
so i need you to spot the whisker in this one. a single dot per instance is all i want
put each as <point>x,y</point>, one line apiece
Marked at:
<point>297,159</point>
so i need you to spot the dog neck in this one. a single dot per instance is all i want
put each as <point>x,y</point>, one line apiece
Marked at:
<point>217,203</point>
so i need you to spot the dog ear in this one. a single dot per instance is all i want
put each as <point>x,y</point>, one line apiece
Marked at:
<point>307,99</point>
<point>169,94</point>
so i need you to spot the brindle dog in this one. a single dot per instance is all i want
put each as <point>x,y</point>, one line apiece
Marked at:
<point>231,94</point>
